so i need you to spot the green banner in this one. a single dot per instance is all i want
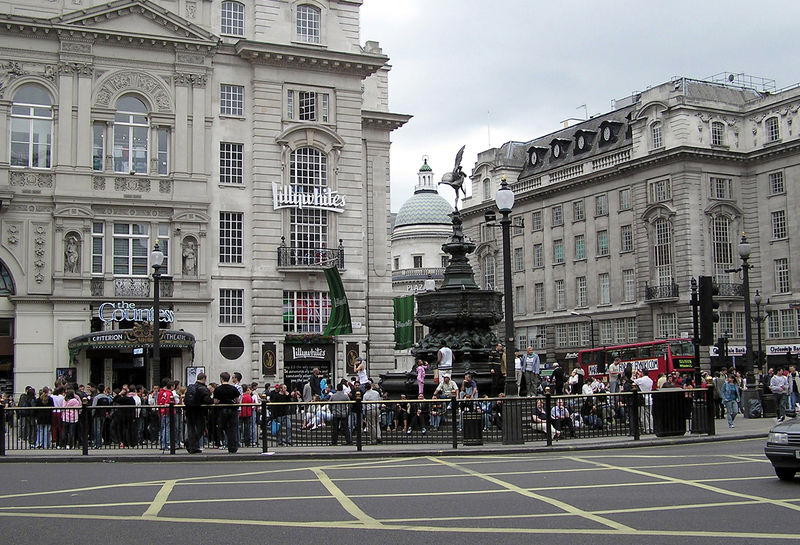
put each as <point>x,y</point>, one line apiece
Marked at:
<point>339,322</point>
<point>403,322</point>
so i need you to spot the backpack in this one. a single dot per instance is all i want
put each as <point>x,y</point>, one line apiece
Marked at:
<point>103,401</point>
<point>190,399</point>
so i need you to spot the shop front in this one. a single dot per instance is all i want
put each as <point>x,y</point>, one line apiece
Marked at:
<point>300,360</point>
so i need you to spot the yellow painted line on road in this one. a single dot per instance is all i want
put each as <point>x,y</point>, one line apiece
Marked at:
<point>550,501</point>
<point>348,504</point>
<point>84,489</point>
<point>159,501</point>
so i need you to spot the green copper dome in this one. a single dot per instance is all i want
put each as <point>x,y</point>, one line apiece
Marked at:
<point>424,207</point>
<point>425,167</point>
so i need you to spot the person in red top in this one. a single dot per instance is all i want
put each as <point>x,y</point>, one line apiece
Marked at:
<point>245,416</point>
<point>164,398</point>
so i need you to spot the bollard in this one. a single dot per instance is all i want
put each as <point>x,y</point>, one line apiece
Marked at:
<point>454,419</point>
<point>86,423</point>
<point>264,425</point>
<point>172,427</point>
<point>548,406</point>
<point>712,426</point>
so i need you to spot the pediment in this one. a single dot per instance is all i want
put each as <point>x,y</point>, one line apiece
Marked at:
<point>73,211</point>
<point>191,216</point>
<point>135,17</point>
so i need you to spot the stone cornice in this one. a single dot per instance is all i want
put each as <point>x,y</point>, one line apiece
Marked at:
<point>309,58</point>
<point>383,120</point>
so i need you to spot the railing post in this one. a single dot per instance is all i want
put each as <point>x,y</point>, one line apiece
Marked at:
<point>454,419</point>
<point>635,413</point>
<point>548,406</point>
<point>359,422</point>
<point>712,424</point>
<point>172,427</point>
<point>263,425</point>
<point>2,430</point>
<point>86,420</point>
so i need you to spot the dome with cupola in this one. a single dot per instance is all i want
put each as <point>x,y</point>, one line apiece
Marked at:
<point>425,206</point>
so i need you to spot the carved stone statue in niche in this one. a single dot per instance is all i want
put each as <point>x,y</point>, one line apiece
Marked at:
<point>72,254</point>
<point>189,257</point>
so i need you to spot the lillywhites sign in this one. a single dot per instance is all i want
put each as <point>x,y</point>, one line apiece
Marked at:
<point>127,312</point>
<point>306,353</point>
<point>324,199</point>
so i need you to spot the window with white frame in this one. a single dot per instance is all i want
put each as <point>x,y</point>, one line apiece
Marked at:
<point>738,325</point>
<point>517,225</point>
<point>721,188</point>
<point>308,106</point>
<point>487,189</point>
<point>305,311</point>
<point>538,255</point>
<point>231,100</point>
<point>536,220</point>
<point>537,337</point>
<point>573,332</point>
<point>662,251</point>
<point>782,323</point>
<point>231,306</point>
<point>580,292</point>
<point>131,131</point>
<point>308,24</point>
<point>98,245</point>
<point>625,199</point>
<point>660,190</point>
<point>538,297</point>
<point>606,332</point>
<point>778,224</point>
<point>162,151</point>
<point>558,215</point>
<point>489,266</point>
<point>131,249</point>
<point>602,243</point>
<point>586,333</point>
<point>98,146</point>
<point>655,135</point>
<point>632,330</point>
<point>772,128</point>
<point>722,248</point>
<point>417,261</point>
<point>626,238</point>
<point>604,289</point>
<point>231,163</point>
<point>31,127</point>
<point>308,229</point>
<point>163,245</point>
<point>232,20</point>
<point>601,205</point>
<point>522,336</point>
<point>519,259</point>
<point>231,232</point>
<point>725,324</point>
<point>519,299</point>
<point>782,281</point>
<point>578,213</point>
<point>619,330</point>
<point>580,247</point>
<point>560,294</point>
<point>667,325</point>
<point>776,185</point>
<point>561,335</point>
<point>717,133</point>
<point>558,251</point>
<point>628,285</point>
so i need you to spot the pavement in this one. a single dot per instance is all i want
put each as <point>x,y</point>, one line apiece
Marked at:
<point>745,428</point>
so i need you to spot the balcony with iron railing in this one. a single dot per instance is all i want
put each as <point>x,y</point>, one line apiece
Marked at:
<point>730,289</point>
<point>665,291</point>
<point>308,257</point>
<point>132,287</point>
<point>418,273</point>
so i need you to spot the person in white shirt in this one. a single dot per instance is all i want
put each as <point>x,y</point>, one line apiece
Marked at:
<point>613,376</point>
<point>518,370</point>
<point>444,361</point>
<point>645,385</point>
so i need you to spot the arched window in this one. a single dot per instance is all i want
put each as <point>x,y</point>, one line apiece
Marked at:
<point>722,248</point>
<point>662,251</point>
<point>717,133</point>
<point>308,24</point>
<point>655,135</point>
<point>131,129</point>
<point>308,173</point>
<point>232,21</point>
<point>31,127</point>
<point>489,266</point>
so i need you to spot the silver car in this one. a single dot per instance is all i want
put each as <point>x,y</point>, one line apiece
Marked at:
<point>783,448</point>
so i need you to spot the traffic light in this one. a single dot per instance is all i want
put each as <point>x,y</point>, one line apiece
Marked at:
<point>708,309</point>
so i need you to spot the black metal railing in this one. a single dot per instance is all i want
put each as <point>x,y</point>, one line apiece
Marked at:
<point>730,289</point>
<point>666,291</point>
<point>310,257</point>
<point>418,273</point>
<point>260,426</point>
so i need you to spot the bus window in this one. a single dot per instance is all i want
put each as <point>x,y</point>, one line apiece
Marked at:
<point>614,354</point>
<point>645,352</point>
<point>659,350</point>
<point>628,354</point>
<point>596,357</point>
<point>684,348</point>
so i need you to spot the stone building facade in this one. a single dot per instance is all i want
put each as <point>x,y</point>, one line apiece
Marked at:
<point>615,215</point>
<point>249,139</point>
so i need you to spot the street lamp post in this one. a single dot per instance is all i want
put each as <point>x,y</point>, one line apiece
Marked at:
<point>505,202</point>
<point>591,323</point>
<point>744,253</point>
<point>156,260</point>
<point>759,321</point>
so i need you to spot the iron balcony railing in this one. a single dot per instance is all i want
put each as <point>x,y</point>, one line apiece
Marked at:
<point>730,289</point>
<point>418,273</point>
<point>666,291</point>
<point>135,287</point>
<point>310,257</point>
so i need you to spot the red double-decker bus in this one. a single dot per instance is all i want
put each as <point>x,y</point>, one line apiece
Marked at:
<point>653,357</point>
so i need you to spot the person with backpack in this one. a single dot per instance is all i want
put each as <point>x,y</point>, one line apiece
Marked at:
<point>197,395</point>
<point>101,411</point>
<point>730,397</point>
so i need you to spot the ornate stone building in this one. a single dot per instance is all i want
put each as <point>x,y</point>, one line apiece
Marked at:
<point>615,215</point>
<point>250,140</point>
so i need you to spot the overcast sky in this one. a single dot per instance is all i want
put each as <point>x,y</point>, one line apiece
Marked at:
<point>482,73</point>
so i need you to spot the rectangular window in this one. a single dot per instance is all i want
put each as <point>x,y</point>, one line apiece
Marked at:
<point>628,285</point>
<point>536,220</point>
<point>538,255</point>
<point>98,146</point>
<point>625,199</point>
<point>519,259</point>
<point>232,19</point>
<point>782,283</point>
<point>602,243</point>
<point>626,238</point>
<point>517,225</point>
<point>580,291</point>
<point>163,151</point>
<point>308,106</point>
<point>445,261</point>
<point>655,133</point>
<point>787,323</point>
<point>558,251</point>
<point>606,332</point>
<point>601,205</point>
<point>396,263</point>
<point>776,185</point>
<point>619,330</point>
<point>163,245</point>
<point>560,294</point>
<point>558,215</point>
<point>604,289</point>
<point>660,190</point>
<point>725,324</point>
<point>632,332</point>
<point>778,224</point>
<point>417,261</point>
<point>131,254</point>
<point>487,189</point>
<point>721,188</point>
<point>586,334</point>
<point>561,335</point>
<point>305,311</point>
<point>772,129</point>
<point>717,133</point>
<point>231,229</point>
<point>231,100</point>
<point>231,163</point>
<point>519,299</point>
<point>97,247</point>
<point>773,324</point>
<point>538,297</point>
<point>580,247</point>
<point>667,325</point>
<point>577,211</point>
<point>231,306</point>
<point>573,331</point>
<point>738,325</point>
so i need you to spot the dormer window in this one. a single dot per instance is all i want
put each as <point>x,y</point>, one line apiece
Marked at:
<point>583,140</point>
<point>558,147</point>
<point>609,131</point>
<point>535,155</point>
